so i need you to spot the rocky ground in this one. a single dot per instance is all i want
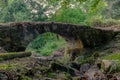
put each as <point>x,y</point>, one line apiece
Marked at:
<point>91,65</point>
<point>55,68</point>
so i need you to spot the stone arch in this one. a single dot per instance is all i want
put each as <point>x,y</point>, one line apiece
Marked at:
<point>16,36</point>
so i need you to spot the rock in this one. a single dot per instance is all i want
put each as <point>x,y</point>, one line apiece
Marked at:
<point>107,64</point>
<point>111,77</point>
<point>94,74</point>
<point>117,75</point>
<point>43,58</point>
<point>55,66</point>
<point>84,67</point>
<point>75,65</point>
<point>6,75</point>
<point>84,78</point>
<point>2,50</point>
<point>74,52</point>
<point>58,54</point>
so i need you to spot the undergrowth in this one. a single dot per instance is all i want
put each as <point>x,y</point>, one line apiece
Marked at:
<point>115,56</point>
<point>46,43</point>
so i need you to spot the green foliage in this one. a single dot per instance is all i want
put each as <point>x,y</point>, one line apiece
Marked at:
<point>16,11</point>
<point>65,59</point>
<point>115,56</point>
<point>46,43</point>
<point>85,59</point>
<point>3,3</point>
<point>95,22</point>
<point>112,10</point>
<point>49,47</point>
<point>115,67</point>
<point>93,3</point>
<point>7,67</point>
<point>50,75</point>
<point>70,15</point>
<point>79,12</point>
<point>38,10</point>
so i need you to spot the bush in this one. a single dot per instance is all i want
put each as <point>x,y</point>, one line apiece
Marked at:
<point>45,44</point>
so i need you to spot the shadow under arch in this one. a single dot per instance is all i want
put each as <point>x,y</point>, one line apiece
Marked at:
<point>46,43</point>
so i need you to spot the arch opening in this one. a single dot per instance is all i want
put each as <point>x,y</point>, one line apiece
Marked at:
<point>45,44</point>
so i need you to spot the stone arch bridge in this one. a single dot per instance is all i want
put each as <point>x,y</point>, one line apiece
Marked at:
<point>16,36</point>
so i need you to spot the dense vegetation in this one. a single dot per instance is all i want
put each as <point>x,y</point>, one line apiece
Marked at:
<point>46,43</point>
<point>84,12</point>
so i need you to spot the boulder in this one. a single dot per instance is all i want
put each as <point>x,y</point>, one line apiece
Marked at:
<point>94,74</point>
<point>84,68</point>
<point>2,50</point>
<point>107,64</point>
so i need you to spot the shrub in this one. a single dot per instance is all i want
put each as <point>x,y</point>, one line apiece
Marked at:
<point>46,43</point>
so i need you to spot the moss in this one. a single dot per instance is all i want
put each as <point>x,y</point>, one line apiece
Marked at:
<point>7,67</point>
<point>6,56</point>
<point>76,78</point>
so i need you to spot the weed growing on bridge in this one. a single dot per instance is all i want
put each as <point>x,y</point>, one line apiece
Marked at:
<point>104,23</point>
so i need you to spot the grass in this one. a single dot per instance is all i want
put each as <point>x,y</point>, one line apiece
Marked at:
<point>46,44</point>
<point>115,67</point>
<point>115,56</point>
